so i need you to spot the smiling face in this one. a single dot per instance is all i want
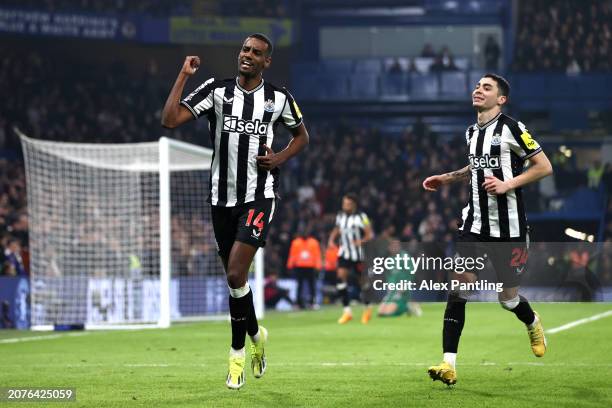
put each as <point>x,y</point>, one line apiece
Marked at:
<point>253,57</point>
<point>486,95</point>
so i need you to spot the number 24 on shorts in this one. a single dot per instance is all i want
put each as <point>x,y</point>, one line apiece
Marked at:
<point>519,257</point>
<point>257,222</point>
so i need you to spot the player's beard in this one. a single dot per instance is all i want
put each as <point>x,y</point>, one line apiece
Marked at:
<point>249,74</point>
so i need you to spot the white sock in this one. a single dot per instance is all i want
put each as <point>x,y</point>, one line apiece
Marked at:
<point>236,353</point>
<point>532,325</point>
<point>239,292</point>
<point>450,358</point>
<point>256,337</point>
<point>347,309</point>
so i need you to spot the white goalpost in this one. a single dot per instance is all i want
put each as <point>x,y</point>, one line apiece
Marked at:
<point>121,236</point>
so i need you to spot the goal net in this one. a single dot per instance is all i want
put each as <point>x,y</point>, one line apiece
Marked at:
<point>121,235</point>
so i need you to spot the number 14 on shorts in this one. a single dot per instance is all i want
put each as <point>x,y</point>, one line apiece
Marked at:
<point>258,219</point>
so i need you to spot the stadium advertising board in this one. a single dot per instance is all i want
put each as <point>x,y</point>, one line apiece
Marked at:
<point>14,303</point>
<point>228,31</point>
<point>77,25</point>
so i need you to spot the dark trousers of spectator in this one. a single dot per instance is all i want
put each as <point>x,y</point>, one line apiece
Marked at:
<point>280,295</point>
<point>305,275</point>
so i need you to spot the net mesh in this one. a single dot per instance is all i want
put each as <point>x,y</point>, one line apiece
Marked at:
<point>94,233</point>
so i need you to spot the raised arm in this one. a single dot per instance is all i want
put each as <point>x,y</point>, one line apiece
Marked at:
<point>433,182</point>
<point>174,114</point>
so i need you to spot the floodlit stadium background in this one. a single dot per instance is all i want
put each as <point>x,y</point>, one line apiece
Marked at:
<point>384,88</point>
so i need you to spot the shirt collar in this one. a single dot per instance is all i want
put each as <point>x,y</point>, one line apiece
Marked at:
<point>489,122</point>
<point>257,88</point>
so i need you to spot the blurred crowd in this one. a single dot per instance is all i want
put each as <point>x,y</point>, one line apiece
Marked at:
<point>564,36</point>
<point>108,104</point>
<point>14,254</point>
<point>86,103</point>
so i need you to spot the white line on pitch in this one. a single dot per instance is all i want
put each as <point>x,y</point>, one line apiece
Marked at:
<point>316,364</point>
<point>579,322</point>
<point>37,338</point>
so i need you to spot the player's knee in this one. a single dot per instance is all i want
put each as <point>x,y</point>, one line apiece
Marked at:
<point>235,279</point>
<point>509,304</point>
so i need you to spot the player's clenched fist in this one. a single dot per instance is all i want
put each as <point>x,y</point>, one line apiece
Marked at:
<point>191,64</point>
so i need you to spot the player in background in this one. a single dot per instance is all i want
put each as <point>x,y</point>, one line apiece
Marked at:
<point>498,148</point>
<point>354,229</point>
<point>242,113</point>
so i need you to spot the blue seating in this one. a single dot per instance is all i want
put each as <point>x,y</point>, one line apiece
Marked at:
<point>337,66</point>
<point>364,86</point>
<point>371,66</point>
<point>453,84</point>
<point>393,84</point>
<point>332,87</point>
<point>304,86</point>
<point>533,86</point>
<point>593,86</point>
<point>305,68</point>
<point>424,86</point>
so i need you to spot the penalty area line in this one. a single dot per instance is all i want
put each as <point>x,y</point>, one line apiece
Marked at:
<point>578,322</point>
<point>38,338</point>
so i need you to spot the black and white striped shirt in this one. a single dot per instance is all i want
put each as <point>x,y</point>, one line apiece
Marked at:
<point>498,148</point>
<point>241,122</point>
<point>352,228</point>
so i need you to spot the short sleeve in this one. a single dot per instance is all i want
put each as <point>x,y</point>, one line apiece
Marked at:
<point>365,220</point>
<point>521,142</point>
<point>291,115</point>
<point>201,100</point>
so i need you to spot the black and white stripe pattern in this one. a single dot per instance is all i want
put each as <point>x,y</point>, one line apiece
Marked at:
<point>351,228</point>
<point>498,148</point>
<point>241,122</point>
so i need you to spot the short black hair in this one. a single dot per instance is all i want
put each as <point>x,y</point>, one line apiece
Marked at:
<point>352,197</point>
<point>264,38</point>
<point>502,83</point>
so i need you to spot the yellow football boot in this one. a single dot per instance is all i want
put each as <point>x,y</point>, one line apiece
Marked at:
<point>443,372</point>
<point>537,338</point>
<point>345,318</point>
<point>258,355</point>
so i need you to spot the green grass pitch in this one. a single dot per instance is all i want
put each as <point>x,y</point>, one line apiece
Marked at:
<point>314,362</point>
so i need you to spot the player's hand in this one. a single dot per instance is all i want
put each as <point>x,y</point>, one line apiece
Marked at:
<point>191,65</point>
<point>269,161</point>
<point>493,185</point>
<point>432,183</point>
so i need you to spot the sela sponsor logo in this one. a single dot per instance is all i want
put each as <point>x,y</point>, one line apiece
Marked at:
<point>484,162</point>
<point>251,127</point>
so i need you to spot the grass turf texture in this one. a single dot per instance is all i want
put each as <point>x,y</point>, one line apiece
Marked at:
<point>312,361</point>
